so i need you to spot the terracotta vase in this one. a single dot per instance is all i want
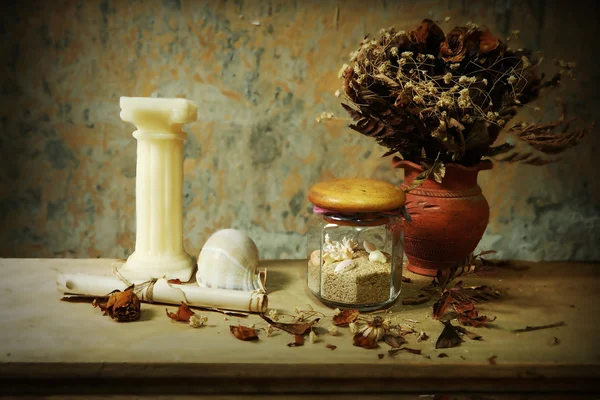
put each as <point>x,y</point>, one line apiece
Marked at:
<point>448,218</point>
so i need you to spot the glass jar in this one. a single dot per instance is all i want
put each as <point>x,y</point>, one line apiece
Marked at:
<point>355,243</point>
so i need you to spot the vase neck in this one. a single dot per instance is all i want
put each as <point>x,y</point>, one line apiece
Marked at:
<point>456,179</point>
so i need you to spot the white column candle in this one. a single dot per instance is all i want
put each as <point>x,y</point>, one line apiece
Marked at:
<point>159,187</point>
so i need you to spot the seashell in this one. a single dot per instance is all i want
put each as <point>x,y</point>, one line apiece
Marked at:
<point>369,247</point>
<point>377,256</point>
<point>229,260</point>
<point>344,266</point>
<point>315,257</point>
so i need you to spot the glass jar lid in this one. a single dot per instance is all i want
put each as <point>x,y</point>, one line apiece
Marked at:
<point>357,196</point>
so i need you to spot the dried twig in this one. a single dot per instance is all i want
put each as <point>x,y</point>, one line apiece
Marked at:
<point>536,328</point>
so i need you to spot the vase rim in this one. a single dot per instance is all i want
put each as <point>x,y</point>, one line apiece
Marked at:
<point>482,165</point>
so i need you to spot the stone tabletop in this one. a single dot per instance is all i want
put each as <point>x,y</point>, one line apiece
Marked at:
<point>44,339</point>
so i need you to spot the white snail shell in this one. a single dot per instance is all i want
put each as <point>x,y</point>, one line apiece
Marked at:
<point>344,266</point>
<point>369,247</point>
<point>229,260</point>
<point>377,256</point>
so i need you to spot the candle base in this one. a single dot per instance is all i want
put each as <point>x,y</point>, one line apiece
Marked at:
<point>145,267</point>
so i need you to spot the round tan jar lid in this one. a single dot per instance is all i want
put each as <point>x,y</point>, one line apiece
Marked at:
<point>357,195</point>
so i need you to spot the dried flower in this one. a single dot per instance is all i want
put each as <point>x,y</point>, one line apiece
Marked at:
<point>197,322</point>
<point>448,78</point>
<point>121,306</point>
<point>391,98</point>
<point>268,330</point>
<point>313,337</point>
<point>333,330</point>
<point>353,327</point>
<point>376,328</point>
<point>273,315</point>
<point>447,19</point>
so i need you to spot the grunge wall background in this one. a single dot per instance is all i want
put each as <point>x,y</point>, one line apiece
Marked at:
<point>260,72</point>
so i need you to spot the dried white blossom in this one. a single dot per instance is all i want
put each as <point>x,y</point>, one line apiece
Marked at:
<point>313,337</point>
<point>406,54</point>
<point>272,314</point>
<point>447,19</point>
<point>465,79</point>
<point>333,330</point>
<point>418,99</point>
<point>337,311</point>
<point>337,93</point>
<point>394,51</point>
<point>197,322</point>
<point>455,66</point>
<point>268,330</point>
<point>448,78</point>
<point>341,71</point>
<point>526,62</point>
<point>536,109</point>
<point>485,81</point>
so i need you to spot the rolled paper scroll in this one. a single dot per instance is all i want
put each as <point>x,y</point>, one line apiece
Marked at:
<point>161,291</point>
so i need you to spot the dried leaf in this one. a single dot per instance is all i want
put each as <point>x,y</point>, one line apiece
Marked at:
<point>470,334</point>
<point>298,341</point>
<point>380,356</point>
<point>299,328</point>
<point>121,306</point>
<point>437,169</point>
<point>345,317</point>
<point>183,313</point>
<point>440,306</point>
<point>422,336</point>
<point>366,342</point>
<point>492,360</point>
<point>443,355</point>
<point>535,328</point>
<point>413,301</point>
<point>244,333</point>
<point>448,338</point>
<point>175,281</point>
<point>396,351</point>
<point>330,346</point>
<point>406,279</point>
<point>394,341</point>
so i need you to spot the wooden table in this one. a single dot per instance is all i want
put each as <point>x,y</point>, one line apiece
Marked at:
<point>52,346</point>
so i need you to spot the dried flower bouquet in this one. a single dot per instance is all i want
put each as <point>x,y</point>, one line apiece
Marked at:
<point>436,98</point>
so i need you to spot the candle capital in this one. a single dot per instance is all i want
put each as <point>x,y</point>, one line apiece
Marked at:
<point>153,114</point>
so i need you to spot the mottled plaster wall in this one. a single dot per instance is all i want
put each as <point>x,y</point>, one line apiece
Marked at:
<point>67,183</point>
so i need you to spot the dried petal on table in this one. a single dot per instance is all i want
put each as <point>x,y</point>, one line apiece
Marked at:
<point>422,336</point>
<point>121,306</point>
<point>440,306</point>
<point>396,351</point>
<point>345,317</point>
<point>555,341</point>
<point>469,316</point>
<point>448,338</point>
<point>366,342</point>
<point>244,333</point>
<point>492,360</point>
<point>298,341</point>
<point>183,313</point>
<point>394,341</point>
<point>470,334</point>
<point>415,301</point>
<point>299,328</point>
<point>331,346</point>
<point>443,355</point>
<point>406,279</point>
<point>175,281</point>
<point>380,356</point>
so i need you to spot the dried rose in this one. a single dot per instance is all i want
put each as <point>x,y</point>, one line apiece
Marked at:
<point>183,313</point>
<point>428,37</point>
<point>459,41</point>
<point>366,342</point>
<point>121,306</point>
<point>244,333</point>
